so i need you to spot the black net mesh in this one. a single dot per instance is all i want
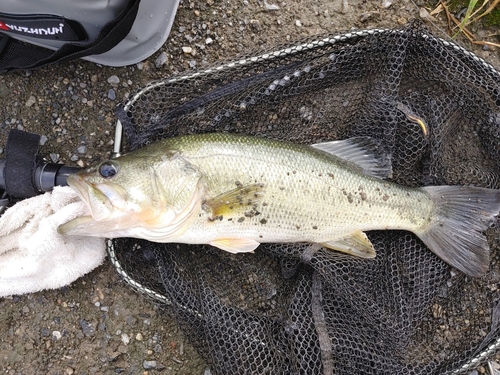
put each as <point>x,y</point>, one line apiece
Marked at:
<point>288,308</point>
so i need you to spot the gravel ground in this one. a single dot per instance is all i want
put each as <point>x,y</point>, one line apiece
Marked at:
<point>98,325</point>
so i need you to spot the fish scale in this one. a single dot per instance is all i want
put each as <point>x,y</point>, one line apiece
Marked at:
<point>315,204</point>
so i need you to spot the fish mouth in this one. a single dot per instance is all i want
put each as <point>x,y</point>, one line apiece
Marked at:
<point>98,203</point>
<point>105,202</point>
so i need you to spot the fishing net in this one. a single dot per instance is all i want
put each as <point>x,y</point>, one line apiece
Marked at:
<point>293,309</point>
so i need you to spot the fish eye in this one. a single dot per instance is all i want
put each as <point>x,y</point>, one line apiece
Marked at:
<point>108,169</point>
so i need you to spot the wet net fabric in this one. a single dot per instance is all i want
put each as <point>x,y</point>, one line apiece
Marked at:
<point>299,308</point>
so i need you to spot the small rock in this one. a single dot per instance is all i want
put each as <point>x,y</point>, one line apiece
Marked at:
<point>139,337</point>
<point>54,157</point>
<point>298,23</point>
<point>114,80</point>
<point>30,101</point>
<point>131,320</point>
<point>148,365</point>
<point>161,60</point>
<point>209,40</point>
<point>111,94</point>
<point>43,140</point>
<point>56,335</point>
<point>45,332</point>
<point>187,50</point>
<point>87,329</point>
<point>82,149</point>
<point>255,24</point>
<point>125,339</point>
<point>271,6</point>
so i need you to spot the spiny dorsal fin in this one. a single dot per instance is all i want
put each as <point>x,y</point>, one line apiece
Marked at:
<point>366,153</point>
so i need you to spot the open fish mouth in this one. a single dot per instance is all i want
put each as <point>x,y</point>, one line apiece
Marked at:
<point>106,204</point>
<point>99,204</point>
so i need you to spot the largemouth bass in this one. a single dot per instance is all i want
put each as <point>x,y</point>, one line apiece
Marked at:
<point>235,192</point>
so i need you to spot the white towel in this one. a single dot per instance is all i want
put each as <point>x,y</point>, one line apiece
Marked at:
<point>33,256</point>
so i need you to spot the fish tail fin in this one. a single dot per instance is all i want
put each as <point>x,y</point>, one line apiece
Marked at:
<point>456,232</point>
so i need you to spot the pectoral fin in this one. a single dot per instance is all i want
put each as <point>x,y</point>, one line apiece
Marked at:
<point>236,202</point>
<point>235,245</point>
<point>356,244</point>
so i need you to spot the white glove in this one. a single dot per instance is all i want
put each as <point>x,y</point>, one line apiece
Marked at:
<point>33,256</point>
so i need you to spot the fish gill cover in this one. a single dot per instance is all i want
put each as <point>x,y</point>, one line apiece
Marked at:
<point>289,308</point>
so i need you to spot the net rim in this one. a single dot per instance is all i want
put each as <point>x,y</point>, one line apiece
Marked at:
<point>308,45</point>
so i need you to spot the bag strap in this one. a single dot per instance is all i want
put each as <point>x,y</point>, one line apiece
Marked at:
<point>17,55</point>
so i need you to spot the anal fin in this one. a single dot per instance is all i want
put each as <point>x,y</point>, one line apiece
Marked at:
<point>356,244</point>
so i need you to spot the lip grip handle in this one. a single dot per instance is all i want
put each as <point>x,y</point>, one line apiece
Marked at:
<point>23,173</point>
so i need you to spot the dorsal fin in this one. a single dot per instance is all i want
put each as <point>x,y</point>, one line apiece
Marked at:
<point>366,153</point>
